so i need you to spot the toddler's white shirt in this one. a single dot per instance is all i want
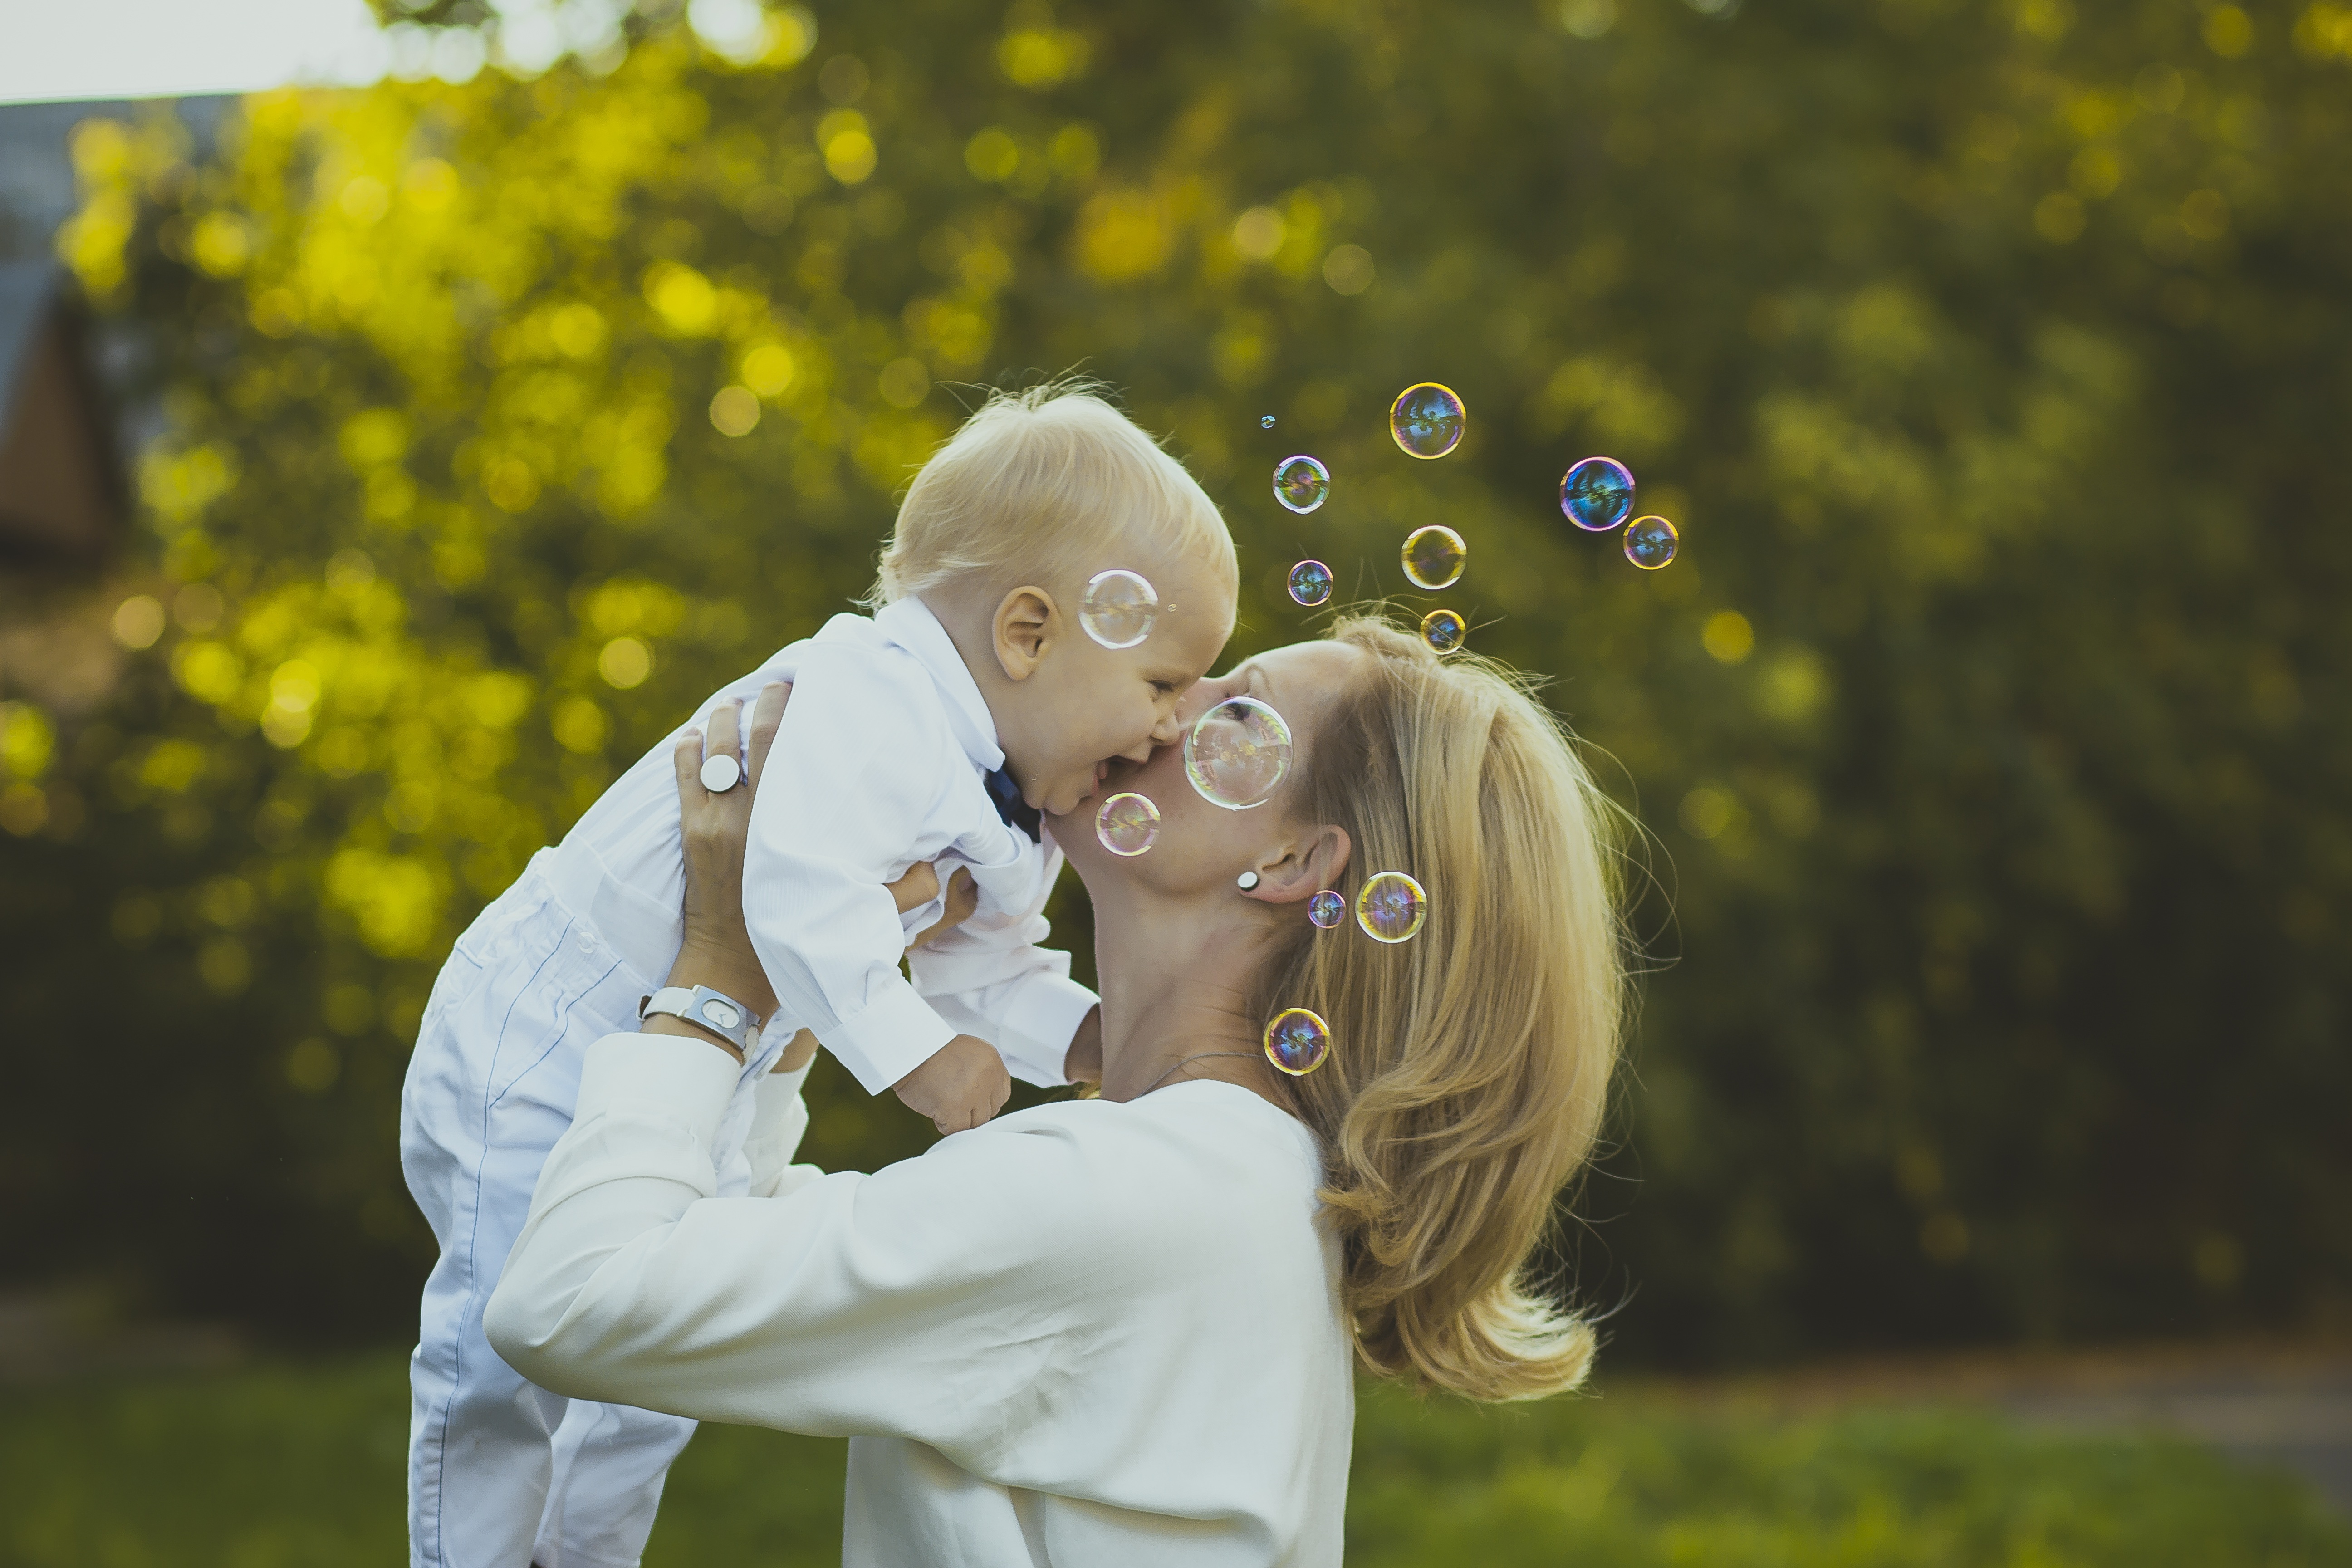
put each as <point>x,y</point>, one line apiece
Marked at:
<point>879,764</point>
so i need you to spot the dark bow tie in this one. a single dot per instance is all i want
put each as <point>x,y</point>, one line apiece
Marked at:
<point>1017,812</point>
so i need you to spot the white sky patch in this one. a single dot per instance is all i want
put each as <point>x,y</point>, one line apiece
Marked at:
<point>171,48</point>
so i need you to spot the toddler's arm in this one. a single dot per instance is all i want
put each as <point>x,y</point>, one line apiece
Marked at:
<point>856,774</point>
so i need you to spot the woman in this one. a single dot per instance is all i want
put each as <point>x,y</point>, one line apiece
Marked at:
<point>1121,1330</point>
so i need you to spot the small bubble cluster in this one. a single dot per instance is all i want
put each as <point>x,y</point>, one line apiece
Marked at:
<point>1390,907</point>
<point>1301,483</point>
<point>1297,1041</point>
<point>1118,608</point>
<point>1237,752</point>
<point>1326,909</point>
<point>1433,557</point>
<point>1311,583</point>
<point>1597,494</point>
<point>1444,631</point>
<point>1127,823</point>
<point>1426,420</point>
<point>1650,543</point>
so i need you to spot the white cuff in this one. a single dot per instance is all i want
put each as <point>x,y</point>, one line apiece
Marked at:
<point>691,1079</point>
<point>892,1037</point>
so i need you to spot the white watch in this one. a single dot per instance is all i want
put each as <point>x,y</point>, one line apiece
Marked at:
<point>713,1010</point>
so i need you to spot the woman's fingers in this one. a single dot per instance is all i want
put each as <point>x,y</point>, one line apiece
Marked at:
<point>725,733</point>
<point>920,886</point>
<point>765,717</point>
<point>687,755</point>
<point>962,897</point>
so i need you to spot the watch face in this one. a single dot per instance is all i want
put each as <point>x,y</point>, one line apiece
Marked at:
<point>720,1014</point>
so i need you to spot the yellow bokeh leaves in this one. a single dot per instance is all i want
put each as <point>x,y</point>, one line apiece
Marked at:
<point>1123,235</point>
<point>847,144</point>
<point>179,485</point>
<point>395,900</point>
<point>624,662</point>
<point>28,740</point>
<point>683,299</point>
<point>578,726</point>
<point>1727,637</point>
<point>1038,57</point>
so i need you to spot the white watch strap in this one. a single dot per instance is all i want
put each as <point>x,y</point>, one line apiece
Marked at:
<point>713,1010</point>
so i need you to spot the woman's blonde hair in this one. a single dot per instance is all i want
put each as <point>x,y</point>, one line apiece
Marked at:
<point>1469,1066</point>
<point>1048,483</point>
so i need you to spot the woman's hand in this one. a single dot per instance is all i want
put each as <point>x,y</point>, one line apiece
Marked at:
<point>716,949</point>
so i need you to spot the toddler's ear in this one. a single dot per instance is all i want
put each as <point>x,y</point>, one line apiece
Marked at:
<point>1026,625</point>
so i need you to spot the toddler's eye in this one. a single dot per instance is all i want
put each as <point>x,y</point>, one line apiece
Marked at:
<point>1165,688</point>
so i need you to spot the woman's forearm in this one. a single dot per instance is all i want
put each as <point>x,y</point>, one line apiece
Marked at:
<point>726,965</point>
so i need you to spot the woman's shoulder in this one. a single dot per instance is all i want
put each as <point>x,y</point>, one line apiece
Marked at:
<point>1191,1159</point>
<point>1202,1120</point>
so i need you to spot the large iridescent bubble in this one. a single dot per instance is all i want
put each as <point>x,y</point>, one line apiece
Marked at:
<point>1297,1041</point>
<point>1118,608</point>
<point>1433,557</point>
<point>1651,542</point>
<point>1427,419</point>
<point>1391,905</point>
<point>1127,823</point>
<point>1597,494</point>
<point>1237,752</point>
<point>1301,483</point>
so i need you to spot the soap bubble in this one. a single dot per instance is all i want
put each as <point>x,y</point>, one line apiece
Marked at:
<point>1127,823</point>
<point>1118,608</point>
<point>1444,631</point>
<point>1237,752</point>
<point>1301,483</point>
<point>1426,420</point>
<point>1311,582</point>
<point>1296,1041</point>
<point>1265,422</point>
<point>1326,909</point>
<point>1597,494</point>
<point>1650,543</point>
<point>1390,907</point>
<point>1433,556</point>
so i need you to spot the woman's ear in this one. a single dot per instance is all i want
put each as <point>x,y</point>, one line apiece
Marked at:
<point>1026,625</point>
<point>1305,866</point>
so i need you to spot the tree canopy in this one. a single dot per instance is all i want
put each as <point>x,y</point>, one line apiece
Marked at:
<point>1990,358</point>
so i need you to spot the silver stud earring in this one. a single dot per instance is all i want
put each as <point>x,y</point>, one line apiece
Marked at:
<point>1247,881</point>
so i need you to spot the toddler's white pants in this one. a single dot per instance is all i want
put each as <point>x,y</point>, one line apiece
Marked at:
<point>501,1473</point>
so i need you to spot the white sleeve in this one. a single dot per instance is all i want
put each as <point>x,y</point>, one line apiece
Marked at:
<point>989,978</point>
<point>921,1302</point>
<point>836,818</point>
<point>779,1120</point>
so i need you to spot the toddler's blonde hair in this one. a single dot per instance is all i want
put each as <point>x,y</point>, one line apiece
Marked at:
<point>1049,484</point>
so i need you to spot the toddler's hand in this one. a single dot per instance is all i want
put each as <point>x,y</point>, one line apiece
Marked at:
<point>962,1085</point>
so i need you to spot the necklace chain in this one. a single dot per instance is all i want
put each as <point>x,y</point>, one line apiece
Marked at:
<point>1186,1061</point>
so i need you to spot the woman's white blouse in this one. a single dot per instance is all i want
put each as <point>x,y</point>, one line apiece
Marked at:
<point>1088,1333</point>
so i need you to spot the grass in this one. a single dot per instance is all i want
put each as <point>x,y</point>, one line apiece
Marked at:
<point>286,1466</point>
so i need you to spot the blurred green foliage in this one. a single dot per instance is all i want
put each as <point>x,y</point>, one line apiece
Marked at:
<point>301,1466</point>
<point>1992,357</point>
